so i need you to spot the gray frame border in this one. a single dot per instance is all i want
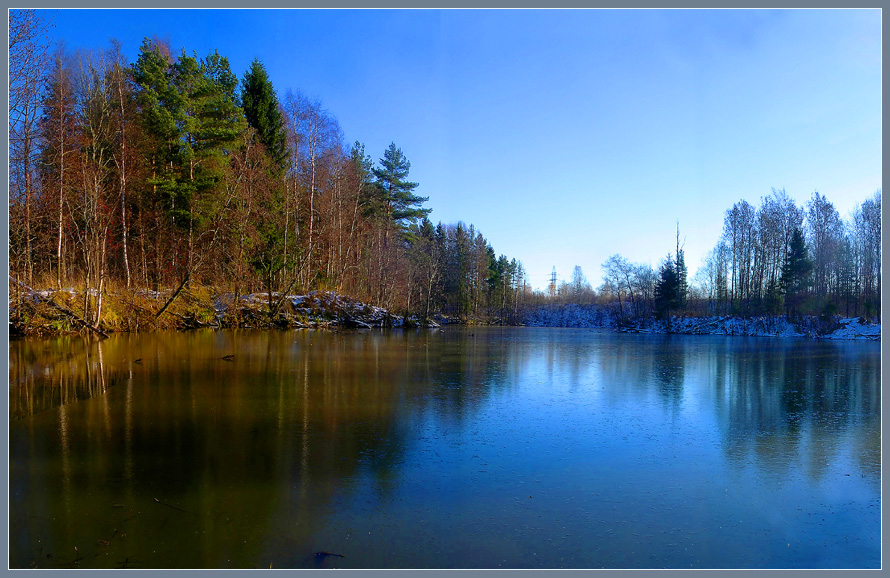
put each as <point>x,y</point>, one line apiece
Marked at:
<point>452,4</point>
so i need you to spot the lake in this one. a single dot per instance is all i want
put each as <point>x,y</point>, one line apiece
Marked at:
<point>463,448</point>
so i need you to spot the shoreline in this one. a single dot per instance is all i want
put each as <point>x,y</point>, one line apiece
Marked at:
<point>59,312</point>
<point>54,313</point>
<point>808,327</point>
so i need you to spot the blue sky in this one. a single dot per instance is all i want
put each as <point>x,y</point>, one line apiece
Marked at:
<point>567,136</point>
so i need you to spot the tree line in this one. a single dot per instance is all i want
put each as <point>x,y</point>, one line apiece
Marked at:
<point>781,257</point>
<point>641,291</point>
<point>170,171</point>
<point>778,258</point>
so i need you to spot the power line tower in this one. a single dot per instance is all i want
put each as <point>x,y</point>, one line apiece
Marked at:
<point>552,287</point>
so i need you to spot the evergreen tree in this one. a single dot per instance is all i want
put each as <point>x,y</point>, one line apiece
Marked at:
<point>667,289</point>
<point>681,273</point>
<point>191,118</point>
<point>670,289</point>
<point>159,107</point>
<point>494,275</point>
<point>795,272</point>
<point>773,301</point>
<point>395,197</point>
<point>222,118</point>
<point>263,113</point>
<point>211,121</point>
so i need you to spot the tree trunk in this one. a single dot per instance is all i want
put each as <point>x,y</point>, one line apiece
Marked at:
<point>26,162</point>
<point>102,275</point>
<point>312,162</point>
<point>122,171</point>
<point>59,262</point>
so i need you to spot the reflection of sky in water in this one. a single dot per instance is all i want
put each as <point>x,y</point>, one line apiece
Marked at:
<point>672,438</point>
<point>469,448</point>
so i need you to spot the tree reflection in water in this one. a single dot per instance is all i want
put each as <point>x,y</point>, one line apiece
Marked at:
<point>241,449</point>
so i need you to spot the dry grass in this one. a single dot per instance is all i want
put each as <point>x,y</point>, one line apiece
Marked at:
<point>135,309</point>
<point>123,309</point>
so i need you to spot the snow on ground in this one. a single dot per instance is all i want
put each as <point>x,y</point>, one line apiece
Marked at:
<point>853,328</point>
<point>48,293</point>
<point>328,307</point>
<point>331,307</point>
<point>595,316</point>
<point>149,294</point>
<point>759,326</point>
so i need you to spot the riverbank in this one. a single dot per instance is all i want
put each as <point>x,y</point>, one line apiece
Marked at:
<point>813,327</point>
<point>51,312</point>
<point>48,312</point>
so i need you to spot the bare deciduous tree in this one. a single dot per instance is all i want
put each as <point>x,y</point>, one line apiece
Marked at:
<point>28,58</point>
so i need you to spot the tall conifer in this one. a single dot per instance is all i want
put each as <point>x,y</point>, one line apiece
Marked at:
<point>795,271</point>
<point>396,194</point>
<point>263,113</point>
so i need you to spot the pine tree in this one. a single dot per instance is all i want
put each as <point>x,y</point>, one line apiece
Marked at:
<point>678,299</point>
<point>773,300</point>
<point>190,114</point>
<point>795,272</point>
<point>159,108</point>
<point>671,288</point>
<point>681,288</point>
<point>666,289</point>
<point>263,113</point>
<point>395,197</point>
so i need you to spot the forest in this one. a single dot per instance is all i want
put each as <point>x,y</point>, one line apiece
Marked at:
<point>171,172</point>
<point>776,259</point>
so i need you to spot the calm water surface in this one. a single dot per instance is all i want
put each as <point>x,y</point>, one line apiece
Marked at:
<point>469,448</point>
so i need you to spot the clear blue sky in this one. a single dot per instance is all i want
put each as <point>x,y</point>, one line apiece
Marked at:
<point>567,136</point>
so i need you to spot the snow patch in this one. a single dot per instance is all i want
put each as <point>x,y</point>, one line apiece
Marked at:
<point>856,328</point>
<point>766,326</point>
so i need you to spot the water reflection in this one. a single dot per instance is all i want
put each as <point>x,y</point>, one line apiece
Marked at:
<point>765,393</point>
<point>293,415</point>
<point>244,449</point>
<point>669,369</point>
<point>778,398</point>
